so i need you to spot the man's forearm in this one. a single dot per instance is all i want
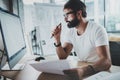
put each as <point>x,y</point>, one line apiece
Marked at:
<point>101,65</point>
<point>61,52</point>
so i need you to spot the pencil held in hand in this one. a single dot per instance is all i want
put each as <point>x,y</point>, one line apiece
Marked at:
<point>56,27</point>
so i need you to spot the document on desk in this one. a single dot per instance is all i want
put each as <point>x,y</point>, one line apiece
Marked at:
<point>104,75</point>
<point>55,67</point>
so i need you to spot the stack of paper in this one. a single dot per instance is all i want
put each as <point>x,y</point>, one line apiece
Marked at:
<point>55,67</point>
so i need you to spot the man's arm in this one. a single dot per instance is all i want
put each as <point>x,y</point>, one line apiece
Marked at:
<point>102,64</point>
<point>64,51</point>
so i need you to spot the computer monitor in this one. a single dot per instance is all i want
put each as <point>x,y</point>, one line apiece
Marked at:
<point>2,55</point>
<point>13,37</point>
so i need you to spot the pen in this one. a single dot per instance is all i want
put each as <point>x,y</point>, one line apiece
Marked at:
<point>56,27</point>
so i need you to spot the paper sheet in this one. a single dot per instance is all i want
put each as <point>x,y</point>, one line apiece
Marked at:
<point>55,67</point>
<point>104,75</point>
<point>113,76</point>
<point>98,76</point>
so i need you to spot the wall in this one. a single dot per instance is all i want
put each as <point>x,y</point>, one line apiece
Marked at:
<point>47,17</point>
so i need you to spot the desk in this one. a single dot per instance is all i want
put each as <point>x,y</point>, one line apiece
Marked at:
<point>29,73</point>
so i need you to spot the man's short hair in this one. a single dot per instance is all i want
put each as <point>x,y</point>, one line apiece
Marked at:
<point>76,5</point>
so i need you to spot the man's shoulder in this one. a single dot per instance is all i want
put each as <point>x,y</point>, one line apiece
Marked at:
<point>95,25</point>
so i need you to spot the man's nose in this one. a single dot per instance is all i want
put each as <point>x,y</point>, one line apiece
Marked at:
<point>66,19</point>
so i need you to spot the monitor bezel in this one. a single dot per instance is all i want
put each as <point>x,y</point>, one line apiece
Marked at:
<point>14,59</point>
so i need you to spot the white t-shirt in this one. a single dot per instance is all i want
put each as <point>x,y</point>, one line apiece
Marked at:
<point>85,44</point>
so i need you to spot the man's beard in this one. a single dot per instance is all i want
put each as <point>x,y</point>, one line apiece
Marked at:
<point>73,23</point>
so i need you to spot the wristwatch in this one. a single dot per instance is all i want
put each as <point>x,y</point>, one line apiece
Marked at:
<point>57,45</point>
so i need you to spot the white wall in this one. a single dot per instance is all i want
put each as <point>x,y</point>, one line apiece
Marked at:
<point>47,17</point>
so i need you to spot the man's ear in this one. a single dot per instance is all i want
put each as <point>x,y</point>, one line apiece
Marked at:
<point>79,14</point>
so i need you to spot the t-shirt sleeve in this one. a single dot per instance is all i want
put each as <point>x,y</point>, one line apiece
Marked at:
<point>101,37</point>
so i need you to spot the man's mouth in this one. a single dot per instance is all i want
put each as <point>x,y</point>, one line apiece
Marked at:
<point>67,22</point>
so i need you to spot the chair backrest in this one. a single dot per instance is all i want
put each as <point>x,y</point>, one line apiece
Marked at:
<point>115,52</point>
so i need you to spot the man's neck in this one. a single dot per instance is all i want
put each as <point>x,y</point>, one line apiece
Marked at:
<point>82,27</point>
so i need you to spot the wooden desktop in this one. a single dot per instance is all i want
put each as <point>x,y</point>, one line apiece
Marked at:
<point>29,73</point>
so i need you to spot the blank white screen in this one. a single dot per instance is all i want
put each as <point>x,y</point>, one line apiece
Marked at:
<point>13,35</point>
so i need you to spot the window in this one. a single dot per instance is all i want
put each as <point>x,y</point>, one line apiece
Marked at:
<point>105,12</point>
<point>95,11</point>
<point>112,15</point>
<point>60,1</point>
<point>90,9</point>
<point>101,11</point>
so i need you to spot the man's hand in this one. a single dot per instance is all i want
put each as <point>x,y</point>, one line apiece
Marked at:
<point>56,32</point>
<point>74,74</point>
